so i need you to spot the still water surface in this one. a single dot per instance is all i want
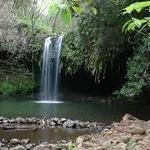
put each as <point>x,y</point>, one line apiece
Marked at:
<point>104,113</point>
<point>73,110</point>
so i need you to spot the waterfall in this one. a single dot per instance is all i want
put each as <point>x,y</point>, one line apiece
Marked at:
<point>50,69</point>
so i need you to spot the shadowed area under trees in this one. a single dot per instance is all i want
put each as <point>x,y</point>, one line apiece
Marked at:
<point>94,47</point>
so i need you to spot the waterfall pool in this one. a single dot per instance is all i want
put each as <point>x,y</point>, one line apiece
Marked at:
<point>104,113</point>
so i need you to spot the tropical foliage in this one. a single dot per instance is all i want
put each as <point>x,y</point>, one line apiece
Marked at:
<point>135,23</point>
<point>138,66</point>
<point>138,71</point>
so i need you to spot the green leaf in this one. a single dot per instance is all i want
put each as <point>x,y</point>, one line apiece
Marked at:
<point>138,6</point>
<point>126,25</point>
<point>131,26</point>
<point>66,15</point>
<point>94,10</point>
<point>77,10</point>
<point>53,9</point>
<point>88,1</point>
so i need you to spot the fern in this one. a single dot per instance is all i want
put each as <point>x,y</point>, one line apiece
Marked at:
<point>134,23</point>
<point>138,6</point>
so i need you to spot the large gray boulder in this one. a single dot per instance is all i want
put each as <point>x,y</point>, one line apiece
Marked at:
<point>69,124</point>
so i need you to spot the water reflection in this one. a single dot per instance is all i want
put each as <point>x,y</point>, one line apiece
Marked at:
<point>80,111</point>
<point>47,134</point>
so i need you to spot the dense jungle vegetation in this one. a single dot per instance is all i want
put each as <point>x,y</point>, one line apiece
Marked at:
<point>107,41</point>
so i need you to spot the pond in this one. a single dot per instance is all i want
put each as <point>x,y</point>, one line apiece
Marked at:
<point>105,113</point>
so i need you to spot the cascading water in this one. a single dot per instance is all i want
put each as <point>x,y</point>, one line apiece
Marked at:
<point>50,69</point>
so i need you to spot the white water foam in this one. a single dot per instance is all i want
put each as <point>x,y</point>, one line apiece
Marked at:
<point>48,102</point>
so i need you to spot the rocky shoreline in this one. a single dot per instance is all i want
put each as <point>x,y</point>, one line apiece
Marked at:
<point>37,123</point>
<point>128,134</point>
<point>25,144</point>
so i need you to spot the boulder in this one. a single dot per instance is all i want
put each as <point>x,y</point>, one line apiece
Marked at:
<point>14,141</point>
<point>42,147</point>
<point>2,118</point>
<point>19,147</point>
<point>29,146</point>
<point>4,148</point>
<point>25,141</point>
<point>20,120</point>
<point>63,120</point>
<point>129,117</point>
<point>137,130</point>
<point>69,124</point>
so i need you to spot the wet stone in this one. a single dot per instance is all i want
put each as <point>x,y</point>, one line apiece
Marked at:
<point>19,147</point>
<point>29,146</point>
<point>69,124</point>
<point>20,120</point>
<point>25,141</point>
<point>63,120</point>
<point>14,141</point>
<point>4,148</point>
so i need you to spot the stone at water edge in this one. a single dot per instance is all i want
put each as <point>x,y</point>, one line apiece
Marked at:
<point>4,148</point>
<point>19,147</point>
<point>25,141</point>
<point>63,120</point>
<point>128,117</point>
<point>42,147</point>
<point>29,146</point>
<point>20,120</point>
<point>14,141</point>
<point>69,124</point>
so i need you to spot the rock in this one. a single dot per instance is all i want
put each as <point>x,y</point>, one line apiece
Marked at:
<point>20,120</point>
<point>29,146</point>
<point>64,141</point>
<point>12,120</point>
<point>55,119</point>
<point>5,127</point>
<point>4,148</point>
<point>3,141</point>
<point>35,129</point>
<point>25,141</point>
<point>55,146</point>
<point>19,147</point>
<point>1,144</point>
<point>137,130</point>
<point>120,146</point>
<point>79,142</point>
<point>6,121</point>
<point>52,123</point>
<point>33,120</point>
<point>14,141</point>
<point>128,117</point>
<point>63,120</point>
<point>148,131</point>
<point>69,124</point>
<point>47,122</point>
<point>2,118</point>
<point>42,147</point>
<point>30,121</point>
<point>99,127</point>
